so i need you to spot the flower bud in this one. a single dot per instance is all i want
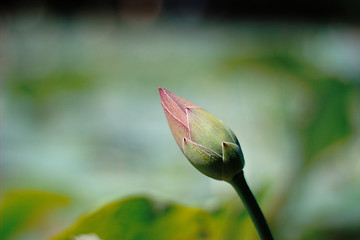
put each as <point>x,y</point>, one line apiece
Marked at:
<point>206,141</point>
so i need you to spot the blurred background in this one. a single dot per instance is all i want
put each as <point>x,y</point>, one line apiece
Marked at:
<point>82,125</point>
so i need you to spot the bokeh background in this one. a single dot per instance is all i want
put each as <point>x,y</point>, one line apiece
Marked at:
<point>82,125</point>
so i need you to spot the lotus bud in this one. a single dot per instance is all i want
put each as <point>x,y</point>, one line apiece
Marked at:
<point>206,141</point>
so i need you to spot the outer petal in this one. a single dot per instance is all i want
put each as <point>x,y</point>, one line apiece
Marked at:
<point>183,104</point>
<point>233,136</point>
<point>176,109</point>
<point>233,160</point>
<point>205,160</point>
<point>178,129</point>
<point>207,130</point>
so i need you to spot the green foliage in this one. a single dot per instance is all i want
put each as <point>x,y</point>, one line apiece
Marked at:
<point>20,210</point>
<point>93,113</point>
<point>325,119</point>
<point>40,89</point>
<point>275,63</point>
<point>333,234</point>
<point>141,218</point>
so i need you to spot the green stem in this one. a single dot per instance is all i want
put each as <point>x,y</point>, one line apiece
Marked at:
<point>241,187</point>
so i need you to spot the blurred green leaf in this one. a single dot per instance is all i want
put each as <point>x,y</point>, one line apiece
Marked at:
<point>40,89</point>
<point>231,221</point>
<point>326,119</point>
<point>275,63</point>
<point>39,96</point>
<point>333,233</point>
<point>20,210</point>
<point>140,218</point>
